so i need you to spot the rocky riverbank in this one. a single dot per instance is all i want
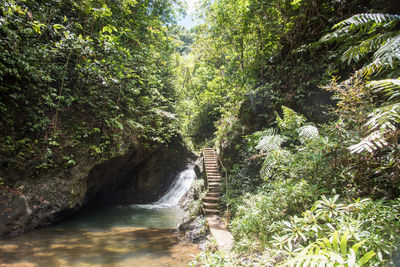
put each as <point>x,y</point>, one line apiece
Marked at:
<point>139,175</point>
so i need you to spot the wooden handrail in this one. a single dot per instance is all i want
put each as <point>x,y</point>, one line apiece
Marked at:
<point>226,179</point>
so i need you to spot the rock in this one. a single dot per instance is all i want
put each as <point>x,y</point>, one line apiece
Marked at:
<point>14,211</point>
<point>139,175</point>
<point>195,229</point>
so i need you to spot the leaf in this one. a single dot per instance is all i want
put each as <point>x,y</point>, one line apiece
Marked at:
<point>366,258</point>
<point>356,246</point>
<point>327,242</point>
<point>58,26</point>
<point>335,241</point>
<point>370,143</point>
<point>343,243</point>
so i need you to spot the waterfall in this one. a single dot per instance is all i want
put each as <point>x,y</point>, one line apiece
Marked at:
<point>177,190</point>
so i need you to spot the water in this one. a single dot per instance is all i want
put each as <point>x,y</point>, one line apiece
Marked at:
<point>177,190</point>
<point>132,235</point>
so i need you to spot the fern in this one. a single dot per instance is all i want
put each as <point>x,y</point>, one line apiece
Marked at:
<point>384,118</point>
<point>370,143</point>
<point>335,36</point>
<point>270,141</point>
<point>389,52</point>
<point>359,20</point>
<point>290,121</point>
<point>271,161</point>
<point>357,52</point>
<point>383,41</point>
<point>389,86</point>
<point>372,68</point>
<point>307,133</point>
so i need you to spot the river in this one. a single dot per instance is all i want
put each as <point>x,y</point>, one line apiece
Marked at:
<point>130,235</point>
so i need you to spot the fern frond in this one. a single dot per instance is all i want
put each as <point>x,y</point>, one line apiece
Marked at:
<point>270,143</point>
<point>384,118</point>
<point>389,52</point>
<point>272,160</point>
<point>307,133</point>
<point>335,36</point>
<point>370,143</point>
<point>389,86</point>
<point>356,52</point>
<point>362,19</point>
<point>375,67</point>
<point>291,120</point>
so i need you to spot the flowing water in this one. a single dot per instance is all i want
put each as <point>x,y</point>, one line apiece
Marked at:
<point>132,235</point>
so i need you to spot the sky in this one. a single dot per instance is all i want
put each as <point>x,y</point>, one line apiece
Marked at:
<point>189,21</point>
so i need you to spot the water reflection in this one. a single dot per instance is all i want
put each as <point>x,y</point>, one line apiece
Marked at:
<point>125,216</point>
<point>115,236</point>
<point>106,236</point>
<point>118,246</point>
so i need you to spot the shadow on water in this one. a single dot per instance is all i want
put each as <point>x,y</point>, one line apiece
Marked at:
<point>125,216</point>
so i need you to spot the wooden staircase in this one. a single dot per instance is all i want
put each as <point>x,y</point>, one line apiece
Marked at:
<point>211,202</point>
<point>213,179</point>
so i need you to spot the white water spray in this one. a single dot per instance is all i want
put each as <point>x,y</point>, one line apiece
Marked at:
<point>177,190</point>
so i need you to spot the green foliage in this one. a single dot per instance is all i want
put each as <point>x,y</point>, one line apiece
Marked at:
<point>269,141</point>
<point>290,121</point>
<point>83,73</point>
<point>331,251</point>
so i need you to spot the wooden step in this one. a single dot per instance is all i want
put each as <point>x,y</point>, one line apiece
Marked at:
<point>208,205</point>
<point>212,195</point>
<point>211,211</point>
<point>218,176</point>
<point>210,199</point>
<point>213,190</point>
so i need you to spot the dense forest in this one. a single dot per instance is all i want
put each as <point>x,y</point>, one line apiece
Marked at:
<point>300,97</point>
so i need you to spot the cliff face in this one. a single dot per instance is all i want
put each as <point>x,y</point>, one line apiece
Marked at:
<point>140,175</point>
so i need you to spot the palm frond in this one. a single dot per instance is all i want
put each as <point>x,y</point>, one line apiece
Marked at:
<point>360,20</point>
<point>357,52</point>
<point>389,86</point>
<point>307,133</point>
<point>375,67</point>
<point>370,143</point>
<point>384,118</point>
<point>335,36</point>
<point>389,52</point>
